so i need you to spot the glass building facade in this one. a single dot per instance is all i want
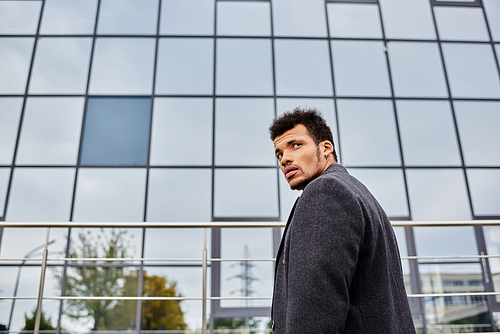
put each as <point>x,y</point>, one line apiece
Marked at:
<point>158,111</point>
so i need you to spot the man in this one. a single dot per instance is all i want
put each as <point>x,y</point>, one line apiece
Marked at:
<point>338,268</point>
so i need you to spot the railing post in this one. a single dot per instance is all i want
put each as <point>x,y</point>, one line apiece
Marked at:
<point>42,283</point>
<point>204,306</point>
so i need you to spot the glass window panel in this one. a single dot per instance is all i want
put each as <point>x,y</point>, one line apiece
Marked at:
<point>61,66</point>
<point>492,239</point>
<point>244,67</point>
<point>472,71</point>
<point>485,191</point>
<point>407,19</point>
<point>19,17</point>
<point>492,8</point>
<point>50,132</point>
<point>387,185</point>
<point>354,20</point>
<point>243,18</point>
<point>242,136</point>
<point>287,197</point>
<point>15,57</point>
<point>427,133</point>
<point>110,195</point>
<point>417,70</point>
<point>21,243</point>
<point>127,17</point>
<point>237,194</point>
<point>182,243</point>
<point>10,113</point>
<point>403,250</point>
<point>303,67</point>
<point>478,129</point>
<point>445,241</point>
<point>360,68</point>
<point>122,66</point>
<point>180,195</point>
<point>116,131</point>
<point>185,66</point>
<point>325,106</point>
<point>61,17</point>
<point>438,194</point>
<point>461,23</point>
<point>4,183</point>
<point>368,133</point>
<point>452,314</point>
<point>41,194</point>
<point>246,243</point>
<point>181,17</point>
<point>175,120</point>
<point>299,18</point>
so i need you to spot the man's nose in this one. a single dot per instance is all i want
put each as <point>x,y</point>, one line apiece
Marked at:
<point>286,159</point>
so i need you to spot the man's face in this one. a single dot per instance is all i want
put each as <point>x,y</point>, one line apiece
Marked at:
<point>301,160</point>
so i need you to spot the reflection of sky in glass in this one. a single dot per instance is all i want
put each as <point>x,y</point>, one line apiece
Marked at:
<point>19,17</point>
<point>122,66</point>
<point>128,17</point>
<point>110,194</point>
<point>478,129</point>
<point>492,8</point>
<point>438,194</point>
<point>185,66</point>
<point>182,243</point>
<point>181,17</point>
<point>17,242</point>
<point>179,195</point>
<point>401,239</point>
<point>299,18</point>
<point>445,241</point>
<point>182,131</point>
<point>51,131</point>
<point>241,136</point>
<point>243,18</point>
<point>368,133</point>
<point>492,239</point>
<point>388,188</point>
<point>485,191</point>
<point>58,66</point>
<point>360,68</point>
<point>302,67</point>
<point>287,197</point>
<point>410,19</point>
<point>10,113</point>
<point>461,23</point>
<point>259,243</point>
<point>246,192</point>
<point>15,54</point>
<point>416,69</point>
<point>354,20</point>
<point>244,67</point>
<point>4,182</point>
<point>68,17</point>
<point>427,133</point>
<point>41,194</point>
<point>471,70</point>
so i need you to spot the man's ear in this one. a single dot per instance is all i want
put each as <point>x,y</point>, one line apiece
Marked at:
<point>326,147</point>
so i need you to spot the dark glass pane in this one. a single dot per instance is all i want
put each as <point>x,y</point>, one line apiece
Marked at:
<point>15,54</point>
<point>485,191</point>
<point>240,18</point>
<point>10,113</point>
<point>110,194</point>
<point>61,17</point>
<point>128,17</point>
<point>354,20</point>
<point>438,194</point>
<point>417,70</point>
<point>407,19</point>
<point>116,131</point>
<point>461,23</point>
<point>299,18</point>
<point>50,133</point>
<point>19,17</point>
<point>41,194</point>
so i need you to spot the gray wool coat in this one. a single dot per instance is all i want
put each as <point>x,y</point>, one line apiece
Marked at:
<point>338,268</point>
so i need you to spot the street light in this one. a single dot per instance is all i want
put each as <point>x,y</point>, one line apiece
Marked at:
<point>26,256</point>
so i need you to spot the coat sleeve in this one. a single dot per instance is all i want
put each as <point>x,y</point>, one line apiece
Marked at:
<point>325,240</point>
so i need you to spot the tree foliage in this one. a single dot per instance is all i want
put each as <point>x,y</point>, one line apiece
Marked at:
<point>237,323</point>
<point>45,321</point>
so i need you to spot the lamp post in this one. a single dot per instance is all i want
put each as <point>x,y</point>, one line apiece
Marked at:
<point>26,256</point>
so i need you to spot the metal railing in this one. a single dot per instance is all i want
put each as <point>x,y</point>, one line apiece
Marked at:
<point>205,260</point>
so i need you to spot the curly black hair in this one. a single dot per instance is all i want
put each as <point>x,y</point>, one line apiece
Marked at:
<point>310,118</point>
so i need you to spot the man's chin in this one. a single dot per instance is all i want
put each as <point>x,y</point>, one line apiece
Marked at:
<point>298,184</point>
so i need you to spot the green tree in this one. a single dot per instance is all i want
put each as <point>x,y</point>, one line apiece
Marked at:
<point>45,322</point>
<point>236,323</point>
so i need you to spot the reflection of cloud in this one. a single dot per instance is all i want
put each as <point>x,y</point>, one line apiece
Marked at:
<point>10,113</point>
<point>16,55</point>
<point>19,17</point>
<point>68,17</point>
<point>299,18</point>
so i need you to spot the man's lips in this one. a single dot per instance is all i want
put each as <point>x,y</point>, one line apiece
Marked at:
<point>290,171</point>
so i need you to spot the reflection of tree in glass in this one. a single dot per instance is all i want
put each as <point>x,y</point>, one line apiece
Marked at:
<point>45,322</point>
<point>250,324</point>
<point>111,279</point>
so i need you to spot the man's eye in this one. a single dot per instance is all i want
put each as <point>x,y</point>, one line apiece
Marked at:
<point>279,156</point>
<point>296,145</point>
